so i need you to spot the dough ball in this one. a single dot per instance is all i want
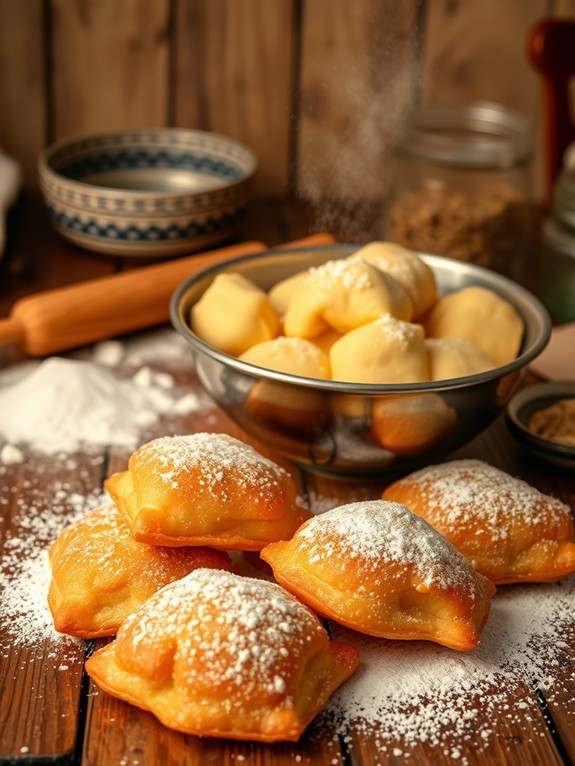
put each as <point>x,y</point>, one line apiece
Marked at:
<point>281,294</point>
<point>296,356</point>
<point>326,340</point>
<point>342,295</point>
<point>286,412</point>
<point>388,350</point>
<point>234,314</point>
<point>481,316</point>
<point>406,425</point>
<point>407,268</point>
<point>455,358</point>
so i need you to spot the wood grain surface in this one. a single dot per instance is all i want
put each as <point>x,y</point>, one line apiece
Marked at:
<point>110,65</point>
<point>50,712</point>
<point>317,89</point>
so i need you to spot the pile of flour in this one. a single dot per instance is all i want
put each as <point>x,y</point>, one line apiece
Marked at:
<point>63,404</point>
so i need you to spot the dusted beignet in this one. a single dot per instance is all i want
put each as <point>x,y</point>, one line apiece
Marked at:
<point>385,351</point>
<point>376,567</point>
<point>219,655</point>
<point>342,295</point>
<point>206,489</point>
<point>509,530</point>
<point>234,314</point>
<point>100,574</point>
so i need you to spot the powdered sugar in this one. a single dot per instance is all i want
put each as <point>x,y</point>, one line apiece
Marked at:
<point>408,693</point>
<point>215,457</point>
<point>396,330</point>
<point>348,273</point>
<point>247,631</point>
<point>24,569</point>
<point>376,532</point>
<point>465,490</point>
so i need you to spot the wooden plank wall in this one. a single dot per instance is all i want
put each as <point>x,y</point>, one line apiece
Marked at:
<point>318,88</point>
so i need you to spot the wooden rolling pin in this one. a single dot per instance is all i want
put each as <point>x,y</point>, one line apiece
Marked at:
<point>56,320</point>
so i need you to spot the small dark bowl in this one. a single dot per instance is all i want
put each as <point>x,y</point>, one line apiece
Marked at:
<point>525,404</point>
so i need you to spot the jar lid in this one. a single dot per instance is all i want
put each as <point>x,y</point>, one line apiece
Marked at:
<point>477,135</point>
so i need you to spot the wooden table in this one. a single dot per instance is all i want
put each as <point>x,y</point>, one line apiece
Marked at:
<point>50,712</point>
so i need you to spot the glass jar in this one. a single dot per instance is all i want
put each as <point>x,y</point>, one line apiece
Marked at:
<point>557,276</point>
<point>461,185</point>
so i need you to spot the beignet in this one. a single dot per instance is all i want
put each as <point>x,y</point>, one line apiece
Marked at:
<point>220,655</point>
<point>206,489</point>
<point>376,567</point>
<point>509,530</point>
<point>100,574</point>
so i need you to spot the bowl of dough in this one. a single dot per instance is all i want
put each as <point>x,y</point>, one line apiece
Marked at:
<point>358,360</point>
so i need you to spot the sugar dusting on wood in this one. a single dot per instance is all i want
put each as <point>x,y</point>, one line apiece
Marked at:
<point>408,693</point>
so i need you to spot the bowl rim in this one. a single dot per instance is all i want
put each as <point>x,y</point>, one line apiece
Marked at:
<point>46,171</point>
<point>546,393</point>
<point>364,389</point>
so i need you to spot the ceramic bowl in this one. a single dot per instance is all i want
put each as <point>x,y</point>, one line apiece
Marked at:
<point>525,404</point>
<point>146,193</point>
<point>354,429</point>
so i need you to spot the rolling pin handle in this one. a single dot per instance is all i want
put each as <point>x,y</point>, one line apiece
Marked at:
<point>12,330</point>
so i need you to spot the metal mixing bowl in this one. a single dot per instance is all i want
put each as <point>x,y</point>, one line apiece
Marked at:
<point>354,429</point>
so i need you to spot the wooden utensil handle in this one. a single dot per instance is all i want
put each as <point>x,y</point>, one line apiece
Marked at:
<point>56,320</point>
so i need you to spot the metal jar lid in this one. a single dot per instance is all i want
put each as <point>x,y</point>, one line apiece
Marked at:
<point>481,135</point>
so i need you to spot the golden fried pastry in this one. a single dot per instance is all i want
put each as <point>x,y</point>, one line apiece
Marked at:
<point>100,574</point>
<point>480,316</point>
<point>508,530</point>
<point>296,356</point>
<point>342,295</point>
<point>412,273</point>
<point>206,489</point>
<point>234,314</point>
<point>385,351</point>
<point>376,567</point>
<point>455,358</point>
<point>219,655</point>
<point>407,424</point>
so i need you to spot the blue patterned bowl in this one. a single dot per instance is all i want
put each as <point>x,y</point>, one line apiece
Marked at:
<point>156,192</point>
